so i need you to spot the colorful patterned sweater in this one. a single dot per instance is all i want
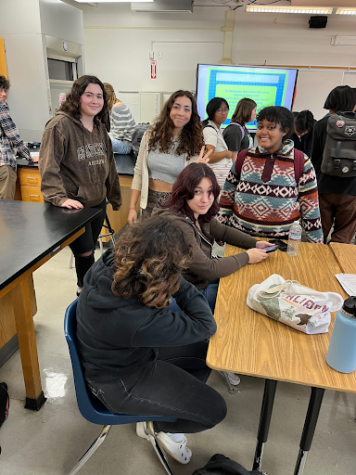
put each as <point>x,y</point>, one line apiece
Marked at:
<point>265,200</point>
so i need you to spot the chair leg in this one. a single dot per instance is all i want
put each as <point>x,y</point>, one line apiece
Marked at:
<point>159,452</point>
<point>230,387</point>
<point>94,446</point>
<point>101,246</point>
<point>113,241</point>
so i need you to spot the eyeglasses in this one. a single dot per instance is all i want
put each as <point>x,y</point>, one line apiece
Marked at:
<point>223,111</point>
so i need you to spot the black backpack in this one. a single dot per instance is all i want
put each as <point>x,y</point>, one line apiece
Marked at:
<point>4,404</point>
<point>221,465</point>
<point>137,135</point>
<point>339,156</point>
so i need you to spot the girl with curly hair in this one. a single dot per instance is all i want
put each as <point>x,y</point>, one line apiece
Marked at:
<point>77,163</point>
<point>140,356</point>
<point>174,141</point>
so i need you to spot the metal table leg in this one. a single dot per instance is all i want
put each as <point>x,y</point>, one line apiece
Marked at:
<point>265,421</point>
<point>316,398</point>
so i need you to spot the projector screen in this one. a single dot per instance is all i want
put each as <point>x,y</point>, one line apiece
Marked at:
<point>266,86</point>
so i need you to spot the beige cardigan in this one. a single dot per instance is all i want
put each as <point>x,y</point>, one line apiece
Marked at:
<point>140,179</point>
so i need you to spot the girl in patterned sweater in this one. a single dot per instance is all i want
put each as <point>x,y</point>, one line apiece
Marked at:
<point>265,192</point>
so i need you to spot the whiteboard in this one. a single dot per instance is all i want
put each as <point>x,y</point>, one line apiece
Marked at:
<point>313,87</point>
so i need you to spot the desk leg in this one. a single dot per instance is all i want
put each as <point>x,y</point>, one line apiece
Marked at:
<point>21,300</point>
<point>265,421</point>
<point>316,398</point>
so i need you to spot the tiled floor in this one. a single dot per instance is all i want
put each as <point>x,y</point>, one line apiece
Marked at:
<point>51,441</point>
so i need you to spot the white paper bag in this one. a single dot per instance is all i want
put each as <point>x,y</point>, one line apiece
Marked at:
<point>287,301</point>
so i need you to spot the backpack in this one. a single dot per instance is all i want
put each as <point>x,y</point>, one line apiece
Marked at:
<point>4,404</point>
<point>221,465</point>
<point>298,163</point>
<point>137,135</point>
<point>339,156</point>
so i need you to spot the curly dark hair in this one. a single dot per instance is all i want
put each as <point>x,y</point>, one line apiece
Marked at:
<point>150,257</point>
<point>184,187</point>
<point>191,138</point>
<point>72,103</point>
<point>278,115</point>
<point>4,83</point>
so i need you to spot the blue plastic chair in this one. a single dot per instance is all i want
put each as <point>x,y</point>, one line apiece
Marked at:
<point>93,410</point>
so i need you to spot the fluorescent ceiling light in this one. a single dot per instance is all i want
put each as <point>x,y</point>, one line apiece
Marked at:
<point>307,10</point>
<point>114,1</point>
<point>346,11</point>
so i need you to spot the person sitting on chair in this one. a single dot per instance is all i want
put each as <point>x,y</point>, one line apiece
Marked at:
<point>139,355</point>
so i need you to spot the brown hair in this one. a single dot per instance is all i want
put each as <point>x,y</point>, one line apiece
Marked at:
<point>243,111</point>
<point>72,103</point>
<point>150,257</point>
<point>184,188</point>
<point>111,95</point>
<point>191,138</point>
<point>4,83</point>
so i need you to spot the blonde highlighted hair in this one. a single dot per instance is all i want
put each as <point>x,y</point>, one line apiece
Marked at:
<point>111,95</point>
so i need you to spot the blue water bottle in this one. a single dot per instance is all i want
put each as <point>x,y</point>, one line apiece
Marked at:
<point>342,348</point>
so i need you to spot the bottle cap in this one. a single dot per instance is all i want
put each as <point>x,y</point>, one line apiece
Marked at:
<point>350,306</point>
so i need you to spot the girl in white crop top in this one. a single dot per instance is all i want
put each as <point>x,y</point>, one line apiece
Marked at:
<point>173,142</point>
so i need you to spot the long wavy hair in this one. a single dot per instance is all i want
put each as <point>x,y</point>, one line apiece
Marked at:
<point>72,103</point>
<point>150,257</point>
<point>191,137</point>
<point>183,190</point>
<point>243,111</point>
<point>111,95</point>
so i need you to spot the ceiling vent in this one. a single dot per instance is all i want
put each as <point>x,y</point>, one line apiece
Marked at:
<point>164,6</point>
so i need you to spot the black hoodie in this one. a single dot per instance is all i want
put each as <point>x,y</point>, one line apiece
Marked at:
<point>116,334</point>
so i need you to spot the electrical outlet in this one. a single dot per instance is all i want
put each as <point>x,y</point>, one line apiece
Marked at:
<point>159,55</point>
<point>152,55</point>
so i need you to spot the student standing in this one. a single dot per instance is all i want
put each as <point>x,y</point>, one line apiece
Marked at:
<point>337,194</point>
<point>173,142</point>
<point>139,356</point>
<point>272,186</point>
<point>236,134</point>
<point>121,122</point>
<point>303,135</point>
<point>77,164</point>
<point>220,160</point>
<point>9,139</point>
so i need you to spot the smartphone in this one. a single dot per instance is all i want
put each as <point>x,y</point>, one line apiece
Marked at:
<point>271,248</point>
<point>281,245</point>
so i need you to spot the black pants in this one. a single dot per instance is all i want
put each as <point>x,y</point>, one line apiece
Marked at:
<point>86,242</point>
<point>174,386</point>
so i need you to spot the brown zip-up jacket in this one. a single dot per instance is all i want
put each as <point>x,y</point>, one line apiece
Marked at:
<point>203,267</point>
<point>77,164</point>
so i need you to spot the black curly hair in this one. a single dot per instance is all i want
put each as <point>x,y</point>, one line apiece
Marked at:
<point>278,115</point>
<point>4,83</point>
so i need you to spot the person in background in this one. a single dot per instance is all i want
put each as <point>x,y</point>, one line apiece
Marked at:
<point>121,122</point>
<point>236,134</point>
<point>9,139</point>
<point>337,194</point>
<point>193,206</point>
<point>263,196</point>
<point>173,142</point>
<point>303,131</point>
<point>140,356</point>
<point>77,164</point>
<point>220,160</point>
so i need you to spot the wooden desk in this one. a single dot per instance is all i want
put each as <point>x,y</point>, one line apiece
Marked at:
<point>30,234</point>
<point>253,344</point>
<point>346,256</point>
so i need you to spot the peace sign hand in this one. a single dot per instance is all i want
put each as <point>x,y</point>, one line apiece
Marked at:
<point>204,158</point>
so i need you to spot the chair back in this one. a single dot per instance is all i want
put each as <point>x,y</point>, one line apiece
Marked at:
<point>89,406</point>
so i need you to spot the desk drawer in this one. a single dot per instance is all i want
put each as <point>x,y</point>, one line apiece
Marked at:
<point>31,193</point>
<point>29,177</point>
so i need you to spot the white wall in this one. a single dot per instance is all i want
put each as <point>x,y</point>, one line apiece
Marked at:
<point>117,44</point>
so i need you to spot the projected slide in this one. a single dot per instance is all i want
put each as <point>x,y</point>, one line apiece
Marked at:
<point>267,87</point>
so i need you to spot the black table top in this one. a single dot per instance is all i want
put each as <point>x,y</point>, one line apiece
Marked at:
<point>30,231</point>
<point>125,164</point>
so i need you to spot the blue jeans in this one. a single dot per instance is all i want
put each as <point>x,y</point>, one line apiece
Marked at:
<point>120,147</point>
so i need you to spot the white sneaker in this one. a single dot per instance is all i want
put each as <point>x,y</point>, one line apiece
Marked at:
<point>173,444</point>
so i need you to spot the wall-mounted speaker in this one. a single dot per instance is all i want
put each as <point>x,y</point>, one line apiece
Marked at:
<point>318,21</point>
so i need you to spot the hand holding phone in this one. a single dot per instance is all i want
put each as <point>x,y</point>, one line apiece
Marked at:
<point>271,248</point>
